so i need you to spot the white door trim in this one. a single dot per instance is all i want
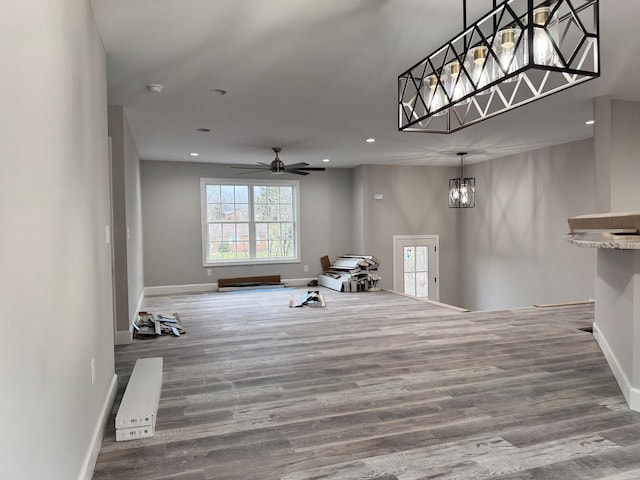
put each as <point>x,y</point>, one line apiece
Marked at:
<point>417,238</point>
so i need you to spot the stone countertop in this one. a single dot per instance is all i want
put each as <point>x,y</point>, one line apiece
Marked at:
<point>604,240</point>
<point>615,222</point>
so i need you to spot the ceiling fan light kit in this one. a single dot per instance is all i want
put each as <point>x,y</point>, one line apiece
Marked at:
<point>277,167</point>
<point>519,52</point>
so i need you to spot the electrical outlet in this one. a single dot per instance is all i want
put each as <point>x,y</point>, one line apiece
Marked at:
<point>306,268</point>
<point>107,234</point>
<point>209,272</point>
<point>93,371</point>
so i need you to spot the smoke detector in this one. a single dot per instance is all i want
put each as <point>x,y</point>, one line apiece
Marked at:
<point>154,88</point>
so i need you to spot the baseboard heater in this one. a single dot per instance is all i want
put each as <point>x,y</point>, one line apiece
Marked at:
<point>249,283</point>
<point>136,417</point>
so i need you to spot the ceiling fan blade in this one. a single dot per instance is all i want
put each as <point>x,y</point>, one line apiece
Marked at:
<point>265,164</point>
<point>253,171</point>
<point>296,165</point>
<point>252,168</point>
<point>311,169</point>
<point>296,172</point>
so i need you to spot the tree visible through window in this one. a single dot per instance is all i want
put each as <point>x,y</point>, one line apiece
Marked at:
<point>249,221</point>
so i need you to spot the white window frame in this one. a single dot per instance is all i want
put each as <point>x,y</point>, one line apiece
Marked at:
<point>252,231</point>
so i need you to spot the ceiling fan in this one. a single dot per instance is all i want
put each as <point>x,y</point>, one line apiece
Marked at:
<point>278,167</point>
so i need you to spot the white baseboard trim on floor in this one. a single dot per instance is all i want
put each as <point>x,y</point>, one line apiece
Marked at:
<point>210,287</point>
<point>125,337</point>
<point>631,394</point>
<point>91,457</point>
<point>177,289</point>
<point>432,302</point>
<point>298,282</point>
<point>634,399</point>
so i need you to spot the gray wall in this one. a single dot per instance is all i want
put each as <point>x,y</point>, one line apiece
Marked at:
<point>618,272</point>
<point>617,154</point>
<point>511,244</point>
<point>414,203</point>
<point>625,176</point>
<point>359,213</point>
<point>172,231</point>
<point>127,222</point>
<point>55,285</point>
<point>617,278</point>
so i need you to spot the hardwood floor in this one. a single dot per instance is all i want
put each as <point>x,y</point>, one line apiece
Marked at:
<point>375,386</point>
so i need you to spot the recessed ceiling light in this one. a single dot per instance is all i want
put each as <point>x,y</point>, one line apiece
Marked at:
<point>370,140</point>
<point>589,122</point>
<point>193,154</point>
<point>218,91</point>
<point>326,160</point>
<point>204,130</point>
<point>154,88</point>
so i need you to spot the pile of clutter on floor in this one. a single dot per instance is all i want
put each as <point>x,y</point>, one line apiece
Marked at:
<point>311,298</point>
<point>149,325</point>
<point>351,273</point>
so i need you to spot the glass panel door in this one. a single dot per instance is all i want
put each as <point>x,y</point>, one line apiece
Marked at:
<point>416,270</point>
<point>416,265</point>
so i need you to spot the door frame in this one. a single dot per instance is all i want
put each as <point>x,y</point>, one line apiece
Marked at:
<point>436,260</point>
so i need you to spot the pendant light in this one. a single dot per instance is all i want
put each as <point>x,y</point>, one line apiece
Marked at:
<point>462,190</point>
<point>545,35</point>
<point>511,53</point>
<point>434,96</point>
<point>481,71</point>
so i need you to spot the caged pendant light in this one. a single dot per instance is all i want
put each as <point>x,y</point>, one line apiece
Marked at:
<point>462,190</point>
<point>520,51</point>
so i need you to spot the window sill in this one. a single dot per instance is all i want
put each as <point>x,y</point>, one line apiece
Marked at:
<point>253,261</point>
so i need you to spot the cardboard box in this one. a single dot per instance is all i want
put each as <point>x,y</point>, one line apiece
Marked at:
<point>136,417</point>
<point>333,281</point>
<point>123,434</point>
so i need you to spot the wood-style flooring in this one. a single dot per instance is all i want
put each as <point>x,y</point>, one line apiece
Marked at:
<point>375,386</point>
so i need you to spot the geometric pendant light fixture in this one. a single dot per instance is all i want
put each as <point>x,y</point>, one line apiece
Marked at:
<point>462,190</point>
<point>519,52</point>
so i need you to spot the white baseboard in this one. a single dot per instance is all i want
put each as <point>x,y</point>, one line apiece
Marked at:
<point>89,464</point>
<point>125,337</point>
<point>432,302</point>
<point>298,282</point>
<point>177,289</point>
<point>631,394</point>
<point>634,399</point>
<point>210,287</point>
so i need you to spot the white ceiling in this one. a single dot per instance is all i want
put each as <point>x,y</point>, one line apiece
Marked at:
<point>318,77</point>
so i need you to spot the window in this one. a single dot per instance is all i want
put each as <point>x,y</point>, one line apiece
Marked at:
<point>249,222</point>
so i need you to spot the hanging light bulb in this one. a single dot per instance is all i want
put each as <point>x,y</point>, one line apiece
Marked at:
<point>457,83</point>
<point>480,71</point>
<point>509,57</point>
<point>434,95</point>
<point>455,193</point>
<point>544,52</point>
<point>465,192</point>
